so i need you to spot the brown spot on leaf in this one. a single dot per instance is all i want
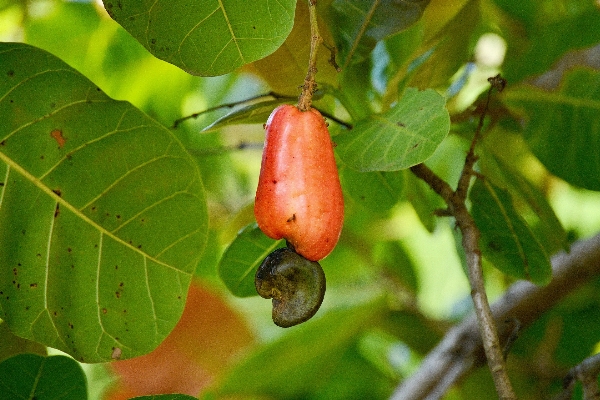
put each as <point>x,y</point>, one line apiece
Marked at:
<point>57,135</point>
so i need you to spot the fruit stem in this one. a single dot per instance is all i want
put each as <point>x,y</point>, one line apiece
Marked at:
<point>310,86</point>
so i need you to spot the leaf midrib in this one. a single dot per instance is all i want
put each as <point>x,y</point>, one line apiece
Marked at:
<point>63,203</point>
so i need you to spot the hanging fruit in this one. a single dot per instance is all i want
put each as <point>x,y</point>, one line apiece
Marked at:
<point>299,197</point>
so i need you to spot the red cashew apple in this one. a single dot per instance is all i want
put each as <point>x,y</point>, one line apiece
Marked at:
<point>299,197</point>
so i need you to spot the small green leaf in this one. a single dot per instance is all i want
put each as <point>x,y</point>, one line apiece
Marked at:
<point>242,258</point>
<point>377,191</point>
<point>406,135</point>
<point>562,127</point>
<point>506,240</point>
<point>361,24</point>
<point>31,376</point>
<point>208,37</point>
<point>102,214</point>
<point>250,114</point>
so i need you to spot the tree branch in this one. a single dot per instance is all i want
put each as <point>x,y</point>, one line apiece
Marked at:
<point>461,350</point>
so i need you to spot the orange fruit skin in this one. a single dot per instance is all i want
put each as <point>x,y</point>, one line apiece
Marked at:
<point>299,196</point>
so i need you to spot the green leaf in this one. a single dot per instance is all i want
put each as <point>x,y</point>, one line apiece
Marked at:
<point>392,256</point>
<point>296,363</point>
<point>377,191</point>
<point>242,258</point>
<point>442,54</point>
<point>554,237</point>
<point>562,127</point>
<point>12,345</point>
<point>423,200</point>
<point>249,114</point>
<point>506,240</point>
<point>361,24</point>
<point>31,376</point>
<point>406,135</point>
<point>207,37</point>
<point>102,214</point>
<point>539,32</point>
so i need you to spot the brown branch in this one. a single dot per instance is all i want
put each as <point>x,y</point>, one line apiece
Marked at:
<point>461,350</point>
<point>470,242</point>
<point>455,199</point>
<point>587,373</point>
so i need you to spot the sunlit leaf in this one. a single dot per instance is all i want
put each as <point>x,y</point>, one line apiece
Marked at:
<point>242,258</point>
<point>404,136</point>
<point>251,114</point>
<point>562,127</point>
<point>285,69</point>
<point>361,24</point>
<point>102,214</point>
<point>207,37</point>
<point>506,240</point>
<point>31,376</point>
<point>449,48</point>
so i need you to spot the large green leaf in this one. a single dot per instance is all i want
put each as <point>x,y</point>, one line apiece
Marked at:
<point>562,127</point>
<point>506,240</point>
<point>102,214</point>
<point>242,258</point>
<point>207,37</point>
<point>361,24</point>
<point>404,136</point>
<point>31,376</point>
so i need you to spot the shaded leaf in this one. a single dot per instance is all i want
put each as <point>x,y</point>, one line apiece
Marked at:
<point>561,128</point>
<point>404,136</point>
<point>506,240</point>
<point>554,236</point>
<point>31,376</point>
<point>424,201</point>
<point>361,24</point>
<point>392,256</point>
<point>103,214</point>
<point>12,345</point>
<point>301,359</point>
<point>208,37</point>
<point>377,191</point>
<point>242,258</point>
<point>538,32</point>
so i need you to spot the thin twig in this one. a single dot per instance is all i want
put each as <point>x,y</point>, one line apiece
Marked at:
<point>470,242</point>
<point>587,373</point>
